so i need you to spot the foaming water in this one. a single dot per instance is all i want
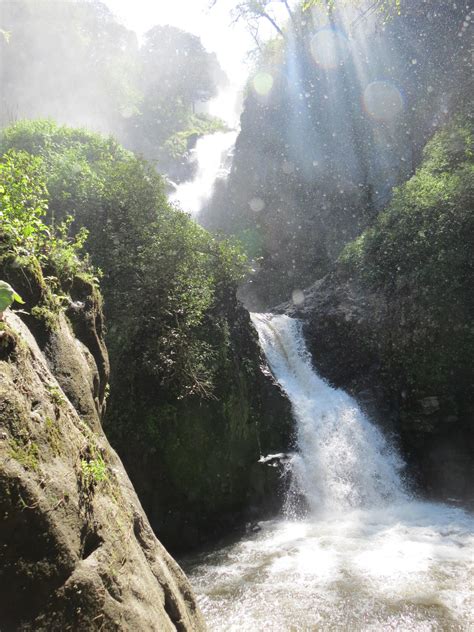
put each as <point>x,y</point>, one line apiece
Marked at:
<point>212,155</point>
<point>367,557</point>
<point>343,460</point>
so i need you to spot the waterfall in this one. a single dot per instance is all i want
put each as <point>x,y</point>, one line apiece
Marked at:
<point>212,155</point>
<point>367,557</point>
<point>343,460</point>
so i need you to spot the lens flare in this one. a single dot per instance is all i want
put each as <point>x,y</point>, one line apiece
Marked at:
<point>262,83</point>
<point>329,48</point>
<point>297,296</point>
<point>382,100</point>
<point>257,204</point>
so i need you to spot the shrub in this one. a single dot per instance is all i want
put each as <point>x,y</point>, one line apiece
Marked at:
<point>418,254</point>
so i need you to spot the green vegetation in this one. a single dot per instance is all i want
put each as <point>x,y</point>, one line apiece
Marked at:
<point>387,8</point>
<point>36,258</point>
<point>73,61</point>
<point>177,339</point>
<point>93,471</point>
<point>418,254</point>
<point>198,125</point>
<point>56,396</point>
<point>26,452</point>
<point>23,206</point>
<point>53,433</point>
<point>161,272</point>
<point>166,119</point>
<point>8,296</point>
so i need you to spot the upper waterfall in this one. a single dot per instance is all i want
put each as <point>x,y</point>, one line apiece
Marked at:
<point>343,460</point>
<point>212,156</point>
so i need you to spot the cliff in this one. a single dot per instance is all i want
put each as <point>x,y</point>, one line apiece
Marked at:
<point>77,550</point>
<point>194,461</point>
<point>314,162</point>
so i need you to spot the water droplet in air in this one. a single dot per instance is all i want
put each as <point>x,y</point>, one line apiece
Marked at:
<point>297,296</point>
<point>257,204</point>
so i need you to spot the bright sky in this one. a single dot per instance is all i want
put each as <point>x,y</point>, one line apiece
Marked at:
<point>229,42</point>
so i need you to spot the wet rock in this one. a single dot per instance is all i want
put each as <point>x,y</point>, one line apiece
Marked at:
<point>7,343</point>
<point>359,343</point>
<point>202,478</point>
<point>429,405</point>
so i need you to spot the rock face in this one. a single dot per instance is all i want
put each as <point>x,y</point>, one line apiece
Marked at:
<point>77,551</point>
<point>202,476</point>
<point>355,339</point>
<point>312,166</point>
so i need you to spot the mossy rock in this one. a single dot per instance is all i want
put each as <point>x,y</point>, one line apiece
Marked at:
<point>8,342</point>
<point>25,275</point>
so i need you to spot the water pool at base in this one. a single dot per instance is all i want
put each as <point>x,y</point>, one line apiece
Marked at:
<point>407,568</point>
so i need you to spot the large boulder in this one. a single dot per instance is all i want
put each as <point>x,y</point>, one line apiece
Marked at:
<point>195,461</point>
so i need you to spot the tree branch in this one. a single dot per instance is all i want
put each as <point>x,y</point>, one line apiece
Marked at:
<point>264,14</point>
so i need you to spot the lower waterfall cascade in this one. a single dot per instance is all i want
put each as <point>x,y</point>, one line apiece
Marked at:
<point>367,555</point>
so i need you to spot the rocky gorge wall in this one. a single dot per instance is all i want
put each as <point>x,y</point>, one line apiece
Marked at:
<point>358,344</point>
<point>313,163</point>
<point>77,551</point>
<point>195,461</point>
<point>318,175</point>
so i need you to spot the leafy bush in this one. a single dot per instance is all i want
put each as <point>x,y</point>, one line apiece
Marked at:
<point>24,233</point>
<point>418,254</point>
<point>22,202</point>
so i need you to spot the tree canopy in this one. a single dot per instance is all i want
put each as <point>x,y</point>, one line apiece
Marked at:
<point>72,61</point>
<point>162,273</point>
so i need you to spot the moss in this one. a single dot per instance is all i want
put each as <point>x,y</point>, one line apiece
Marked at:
<point>42,295</point>
<point>26,452</point>
<point>53,434</point>
<point>24,273</point>
<point>56,395</point>
<point>46,317</point>
<point>8,341</point>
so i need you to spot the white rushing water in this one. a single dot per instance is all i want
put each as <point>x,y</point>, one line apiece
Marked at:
<point>367,556</point>
<point>212,155</point>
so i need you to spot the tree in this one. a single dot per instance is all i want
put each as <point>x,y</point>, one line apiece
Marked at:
<point>162,273</point>
<point>176,72</point>
<point>253,12</point>
<point>176,65</point>
<point>67,60</point>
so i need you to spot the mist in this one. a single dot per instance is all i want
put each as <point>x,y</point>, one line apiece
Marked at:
<point>75,63</point>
